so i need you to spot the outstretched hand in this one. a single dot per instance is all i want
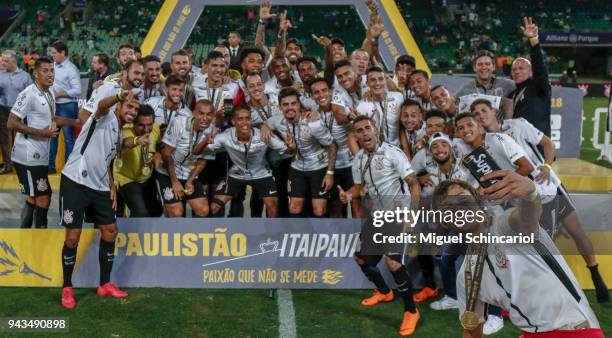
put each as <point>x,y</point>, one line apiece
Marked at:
<point>528,28</point>
<point>265,10</point>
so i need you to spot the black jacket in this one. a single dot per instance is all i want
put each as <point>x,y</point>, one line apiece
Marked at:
<point>532,97</point>
<point>235,59</point>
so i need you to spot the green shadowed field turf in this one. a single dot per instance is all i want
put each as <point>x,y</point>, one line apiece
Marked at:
<point>234,313</point>
<point>587,152</point>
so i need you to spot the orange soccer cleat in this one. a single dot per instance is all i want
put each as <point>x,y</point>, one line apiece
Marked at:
<point>110,289</point>
<point>424,294</point>
<point>409,323</point>
<point>68,298</point>
<point>377,297</point>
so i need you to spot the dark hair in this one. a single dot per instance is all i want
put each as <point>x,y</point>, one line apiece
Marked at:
<point>317,80</point>
<point>252,74</point>
<point>337,41</point>
<point>374,69</point>
<point>166,68</point>
<point>420,71</point>
<point>242,106</point>
<point>145,110</point>
<point>463,116</point>
<point>213,55</point>
<point>480,101</point>
<point>180,52</point>
<point>436,113</point>
<point>482,53</point>
<point>174,80</point>
<point>360,118</point>
<point>234,32</point>
<point>150,58</point>
<point>129,64</point>
<point>189,51</point>
<point>405,59</point>
<point>286,92</point>
<point>42,60</point>
<point>296,42</point>
<point>441,191</point>
<point>342,63</point>
<point>137,50</point>
<point>308,59</point>
<point>125,45</point>
<point>250,50</point>
<point>102,58</point>
<point>60,46</point>
<point>436,87</point>
<point>410,103</point>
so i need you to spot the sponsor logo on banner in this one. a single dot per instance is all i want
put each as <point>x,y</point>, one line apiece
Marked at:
<point>12,264</point>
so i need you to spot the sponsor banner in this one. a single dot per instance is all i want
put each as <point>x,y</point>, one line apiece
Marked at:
<point>575,38</point>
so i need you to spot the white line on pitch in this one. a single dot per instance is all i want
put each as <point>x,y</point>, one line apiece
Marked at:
<point>286,314</point>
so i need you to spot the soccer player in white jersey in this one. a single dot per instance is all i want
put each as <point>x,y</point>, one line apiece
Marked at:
<point>347,95</point>
<point>420,86</point>
<point>382,106</point>
<point>343,176</point>
<point>87,188</point>
<point>263,105</point>
<point>531,280</point>
<point>312,167</point>
<point>33,119</point>
<point>247,150</point>
<point>307,70</point>
<point>169,106</point>
<point>178,177</point>
<point>561,207</point>
<point>412,126</point>
<point>152,85</point>
<point>281,75</point>
<point>383,170</point>
<point>502,148</point>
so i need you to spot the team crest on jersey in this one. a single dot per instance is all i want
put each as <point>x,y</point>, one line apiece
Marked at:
<point>379,163</point>
<point>500,258</point>
<point>41,184</point>
<point>168,194</point>
<point>22,188</point>
<point>68,216</point>
<point>36,156</point>
<point>84,173</point>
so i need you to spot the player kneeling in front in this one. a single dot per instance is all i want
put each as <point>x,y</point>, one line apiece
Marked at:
<point>531,280</point>
<point>383,170</point>
<point>87,188</point>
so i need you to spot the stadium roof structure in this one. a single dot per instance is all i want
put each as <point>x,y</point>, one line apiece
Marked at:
<point>177,18</point>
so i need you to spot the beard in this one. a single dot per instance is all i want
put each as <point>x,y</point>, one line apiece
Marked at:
<point>442,161</point>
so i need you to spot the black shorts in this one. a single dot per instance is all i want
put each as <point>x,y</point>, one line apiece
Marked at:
<point>344,178</point>
<point>215,170</point>
<point>555,211</point>
<point>78,201</point>
<point>301,183</point>
<point>263,187</point>
<point>33,180</point>
<point>167,194</point>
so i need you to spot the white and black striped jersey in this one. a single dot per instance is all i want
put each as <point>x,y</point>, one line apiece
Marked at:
<point>384,172</point>
<point>386,114</point>
<point>93,152</point>
<point>34,108</point>
<point>532,281</point>
<point>311,138</point>
<point>181,136</point>
<point>163,115</point>
<point>249,159</point>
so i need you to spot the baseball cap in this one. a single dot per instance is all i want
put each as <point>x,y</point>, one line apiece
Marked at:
<point>405,59</point>
<point>439,136</point>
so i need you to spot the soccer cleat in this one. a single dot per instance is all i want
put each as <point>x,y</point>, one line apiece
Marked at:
<point>446,303</point>
<point>492,325</point>
<point>377,297</point>
<point>424,295</point>
<point>409,323</point>
<point>68,298</point>
<point>110,289</point>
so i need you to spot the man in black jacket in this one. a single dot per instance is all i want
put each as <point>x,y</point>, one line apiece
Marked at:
<point>532,94</point>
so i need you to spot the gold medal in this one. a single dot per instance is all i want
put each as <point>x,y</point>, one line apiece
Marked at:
<point>188,192</point>
<point>146,171</point>
<point>53,125</point>
<point>469,320</point>
<point>119,163</point>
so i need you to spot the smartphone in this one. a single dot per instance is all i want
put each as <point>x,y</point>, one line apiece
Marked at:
<point>227,107</point>
<point>480,163</point>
